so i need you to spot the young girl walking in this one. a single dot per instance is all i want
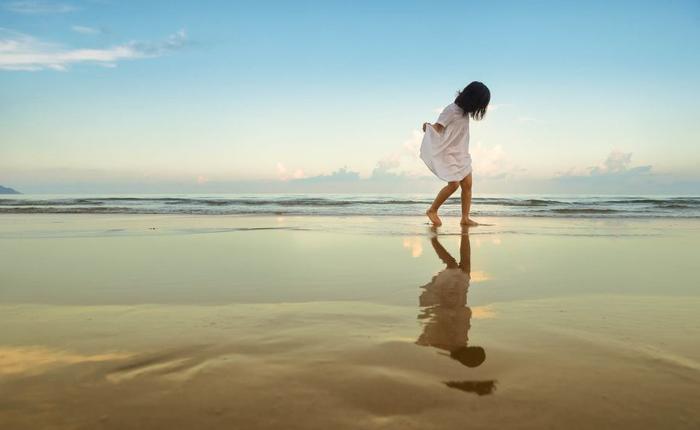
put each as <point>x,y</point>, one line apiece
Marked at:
<point>445,148</point>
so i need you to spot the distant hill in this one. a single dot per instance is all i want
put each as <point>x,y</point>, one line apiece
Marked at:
<point>7,190</point>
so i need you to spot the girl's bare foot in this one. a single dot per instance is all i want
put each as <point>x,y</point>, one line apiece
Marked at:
<point>468,222</point>
<point>434,218</point>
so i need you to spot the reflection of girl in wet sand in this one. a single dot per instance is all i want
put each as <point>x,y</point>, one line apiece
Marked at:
<point>445,312</point>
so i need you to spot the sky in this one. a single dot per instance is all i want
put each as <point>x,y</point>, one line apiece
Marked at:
<point>329,96</point>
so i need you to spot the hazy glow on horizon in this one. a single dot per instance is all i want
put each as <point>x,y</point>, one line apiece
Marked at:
<point>179,93</point>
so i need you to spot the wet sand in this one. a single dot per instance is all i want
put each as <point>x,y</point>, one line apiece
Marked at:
<point>359,322</point>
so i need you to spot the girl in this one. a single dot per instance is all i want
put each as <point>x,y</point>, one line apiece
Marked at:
<point>445,148</point>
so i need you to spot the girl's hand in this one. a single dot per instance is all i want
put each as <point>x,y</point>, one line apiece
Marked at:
<point>437,127</point>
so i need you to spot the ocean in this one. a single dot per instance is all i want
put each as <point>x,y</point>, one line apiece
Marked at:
<point>357,204</point>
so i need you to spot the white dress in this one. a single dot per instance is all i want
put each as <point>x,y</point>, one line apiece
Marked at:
<point>447,154</point>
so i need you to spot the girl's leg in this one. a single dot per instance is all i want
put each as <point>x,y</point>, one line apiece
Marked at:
<point>465,252</point>
<point>466,185</point>
<point>443,195</point>
<point>444,255</point>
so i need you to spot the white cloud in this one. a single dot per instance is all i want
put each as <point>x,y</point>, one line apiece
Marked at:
<point>406,154</point>
<point>488,161</point>
<point>617,163</point>
<point>20,51</point>
<point>492,162</point>
<point>614,175</point>
<point>285,174</point>
<point>83,29</point>
<point>412,145</point>
<point>37,7</point>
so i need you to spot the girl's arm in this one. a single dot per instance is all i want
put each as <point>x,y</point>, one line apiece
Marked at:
<point>438,127</point>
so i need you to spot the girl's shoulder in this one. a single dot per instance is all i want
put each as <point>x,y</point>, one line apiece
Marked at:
<point>455,109</point>
<point>452,107</point>
<point>451,113</point>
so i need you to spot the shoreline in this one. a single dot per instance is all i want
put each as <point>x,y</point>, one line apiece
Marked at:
<point>378,215</point>
<point>360,205</point>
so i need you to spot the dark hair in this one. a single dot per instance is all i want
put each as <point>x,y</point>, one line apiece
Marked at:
<point>474,99</point>
<point>470,356</point>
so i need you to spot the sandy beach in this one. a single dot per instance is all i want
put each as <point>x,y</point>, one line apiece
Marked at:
<point>164,321</point>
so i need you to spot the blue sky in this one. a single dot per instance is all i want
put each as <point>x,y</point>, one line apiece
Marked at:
<point>216,96</point>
